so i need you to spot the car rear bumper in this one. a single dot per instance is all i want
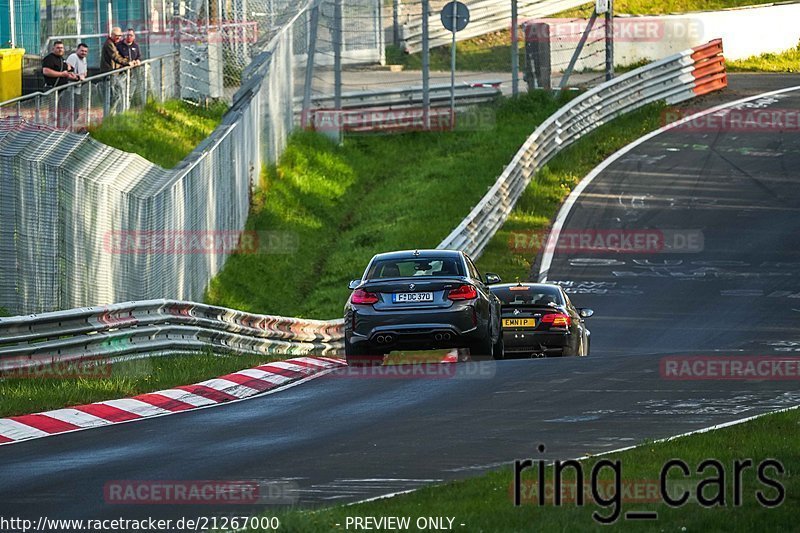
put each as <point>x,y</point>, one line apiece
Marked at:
<point>421,330</point>
<point>520,341</point>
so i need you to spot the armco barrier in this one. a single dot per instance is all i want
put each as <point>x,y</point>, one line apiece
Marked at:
<point>166,326</point>
<point>674,79</point>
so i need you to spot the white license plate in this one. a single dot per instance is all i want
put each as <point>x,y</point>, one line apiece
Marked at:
<point>409,297</point>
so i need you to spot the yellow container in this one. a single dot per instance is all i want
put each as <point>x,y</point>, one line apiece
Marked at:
<point>10,73</point>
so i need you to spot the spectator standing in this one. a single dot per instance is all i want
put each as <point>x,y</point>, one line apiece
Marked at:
<point>55,69</point>
<point>77,60</point>
<point>129,48</point>
<point>110,60</point>
<point>57,72</point>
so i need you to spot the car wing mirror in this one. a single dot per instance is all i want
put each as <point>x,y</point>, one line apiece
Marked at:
<point>585,312</point>
<point>492,278</point>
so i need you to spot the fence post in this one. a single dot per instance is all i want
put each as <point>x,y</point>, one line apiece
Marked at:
<point>396,7</point>
<point>312,48</point>
<point>337,54</point>
<point>610,41</point>
<point>88,119</point>
<point>144,82</point>
<point>426,68</point>
<point>127,89</point>
<point>163,80</point>
<point>514,50</point>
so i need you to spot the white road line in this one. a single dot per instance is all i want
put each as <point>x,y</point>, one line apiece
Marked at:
<point>563,213</point>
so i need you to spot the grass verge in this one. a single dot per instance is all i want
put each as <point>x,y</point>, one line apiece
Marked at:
<point>161,133</point>
<point>662,7</point>
<point>341,205</point>
<point>485,503</point>
<point>119,380</point>
<point>786,61</point>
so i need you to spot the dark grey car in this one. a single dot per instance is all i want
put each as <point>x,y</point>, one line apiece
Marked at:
<point>421,300</point>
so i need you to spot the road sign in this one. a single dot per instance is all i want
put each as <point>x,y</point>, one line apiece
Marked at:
<point>461,16</point>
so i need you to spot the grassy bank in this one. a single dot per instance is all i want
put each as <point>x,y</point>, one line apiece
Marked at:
<point>485,503</point>
<point>341,205</point>
<point>161,133</point>
<point>119,380</point>
<point>786,61</point>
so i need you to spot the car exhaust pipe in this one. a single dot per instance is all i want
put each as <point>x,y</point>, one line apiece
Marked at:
<point>438,336</point>
<point>388,339</point>
<point>445,336</point>
<point>380,338</point>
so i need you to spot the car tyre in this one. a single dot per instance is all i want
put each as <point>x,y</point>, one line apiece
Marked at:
<point>357,356</point>
<point>499,350</point>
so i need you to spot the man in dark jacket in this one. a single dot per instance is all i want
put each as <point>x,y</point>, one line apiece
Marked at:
<point>129,48</point>
<point>55,69</point>
<point>110,58</point>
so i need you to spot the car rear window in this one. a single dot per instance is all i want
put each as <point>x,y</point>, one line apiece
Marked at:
<point>523,295</point>
<point>415,267</point>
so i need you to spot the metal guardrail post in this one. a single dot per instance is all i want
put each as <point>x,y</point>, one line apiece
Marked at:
<point>337,53</point>
<point>107,100</point>
<point>578,50</point>
<point>610,41</point>
<point>127,105</point>
<point>514,50</point>
<point>162,69</point>
<point>426,68</point>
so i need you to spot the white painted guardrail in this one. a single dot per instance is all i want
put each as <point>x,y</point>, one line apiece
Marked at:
<point>674,79</point>
<point>157,326</point>
<point>170,326</point>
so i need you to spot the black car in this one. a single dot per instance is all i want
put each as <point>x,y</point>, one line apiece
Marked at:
<point>421,300</point>
<point>540,320</point>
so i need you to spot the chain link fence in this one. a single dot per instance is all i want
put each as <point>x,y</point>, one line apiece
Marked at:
<point>85,224</point>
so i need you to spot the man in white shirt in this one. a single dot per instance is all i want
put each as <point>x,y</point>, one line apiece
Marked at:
<point>77,60</point>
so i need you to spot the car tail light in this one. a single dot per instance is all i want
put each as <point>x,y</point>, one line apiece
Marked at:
<point>464,292</point>
<point>559,320</point>
<point>360,296</point>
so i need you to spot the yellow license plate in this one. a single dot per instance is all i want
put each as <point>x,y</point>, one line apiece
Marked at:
<point>519,323</point>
